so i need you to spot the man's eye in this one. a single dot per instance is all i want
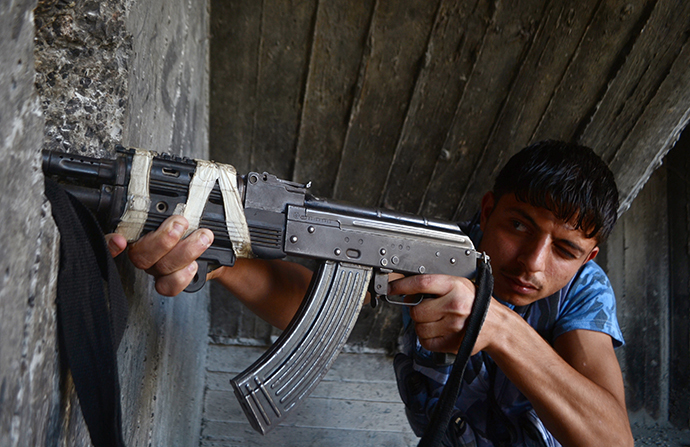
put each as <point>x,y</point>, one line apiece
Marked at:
<point>566,253</point>
<point>519,225</point>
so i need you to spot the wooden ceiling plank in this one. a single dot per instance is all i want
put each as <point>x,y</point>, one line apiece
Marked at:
<point>555,41</point>
<point>450,55</point>
<point>596,60</point>
<point>498,60</point>
<point>286,34</point>
<point>398,38</point>
<point>338,47</point>
<point>235,50</point>
<point>655,133</point>
<point>639,78</point>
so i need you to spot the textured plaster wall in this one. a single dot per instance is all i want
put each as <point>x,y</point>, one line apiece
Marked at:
<point>83,77</point>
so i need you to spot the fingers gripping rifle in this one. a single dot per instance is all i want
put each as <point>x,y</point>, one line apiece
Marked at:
<point>357,247</point>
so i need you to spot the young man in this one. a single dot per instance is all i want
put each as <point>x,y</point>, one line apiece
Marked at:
<point>544,370</point>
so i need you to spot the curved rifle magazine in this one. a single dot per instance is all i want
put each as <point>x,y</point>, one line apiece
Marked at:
<point>287,373</point>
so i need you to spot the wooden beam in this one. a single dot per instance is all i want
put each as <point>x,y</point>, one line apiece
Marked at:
<point>337,52</point>
<point>397,44</point>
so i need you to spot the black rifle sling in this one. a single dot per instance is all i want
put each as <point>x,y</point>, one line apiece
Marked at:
<point>438,425</point>
<point>91,313</point>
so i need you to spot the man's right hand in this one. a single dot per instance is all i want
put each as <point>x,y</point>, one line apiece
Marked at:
<point>163,253</point>
<point>440,322</point>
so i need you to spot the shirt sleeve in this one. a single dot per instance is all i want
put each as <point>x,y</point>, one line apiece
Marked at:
<point>589,304</point>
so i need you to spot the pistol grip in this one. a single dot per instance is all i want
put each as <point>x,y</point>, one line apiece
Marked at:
<point>292,367</point>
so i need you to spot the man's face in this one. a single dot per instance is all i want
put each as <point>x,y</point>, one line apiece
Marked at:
<point>533,254</point>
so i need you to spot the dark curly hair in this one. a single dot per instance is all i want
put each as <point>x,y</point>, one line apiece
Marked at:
<point>567,179</point>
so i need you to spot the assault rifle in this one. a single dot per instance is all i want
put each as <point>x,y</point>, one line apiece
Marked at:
<point>357,247</point>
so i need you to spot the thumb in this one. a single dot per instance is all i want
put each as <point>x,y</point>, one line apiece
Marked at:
<point>116,243</point>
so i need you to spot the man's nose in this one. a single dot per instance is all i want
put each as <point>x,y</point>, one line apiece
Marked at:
<point>534,254</point>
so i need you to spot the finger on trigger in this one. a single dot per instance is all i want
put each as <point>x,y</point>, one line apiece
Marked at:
<point>420,284</point>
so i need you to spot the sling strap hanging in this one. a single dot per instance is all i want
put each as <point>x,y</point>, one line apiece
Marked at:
<point>438,425</point>
<point>91,313</point>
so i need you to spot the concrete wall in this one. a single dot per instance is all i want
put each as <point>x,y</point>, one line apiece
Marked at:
<point>29,383</point>
<point>164,352</point>
<point>108,72</point>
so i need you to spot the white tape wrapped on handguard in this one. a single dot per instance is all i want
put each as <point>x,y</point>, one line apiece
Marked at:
<point>138,200</point>
<point>205,177</point>
<point>235,220</point>
<point>200,188</point>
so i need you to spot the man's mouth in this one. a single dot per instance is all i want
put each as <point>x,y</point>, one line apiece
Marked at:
<point>521,286</point>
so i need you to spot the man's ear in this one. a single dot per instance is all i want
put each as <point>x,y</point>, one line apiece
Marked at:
<point>593,254</point>
<point>488,202</point>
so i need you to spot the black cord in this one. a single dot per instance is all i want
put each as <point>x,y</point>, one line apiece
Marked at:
<point>438,425</point>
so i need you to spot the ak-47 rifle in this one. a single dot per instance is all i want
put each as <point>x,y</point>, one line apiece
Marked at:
<point>357,247</point>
